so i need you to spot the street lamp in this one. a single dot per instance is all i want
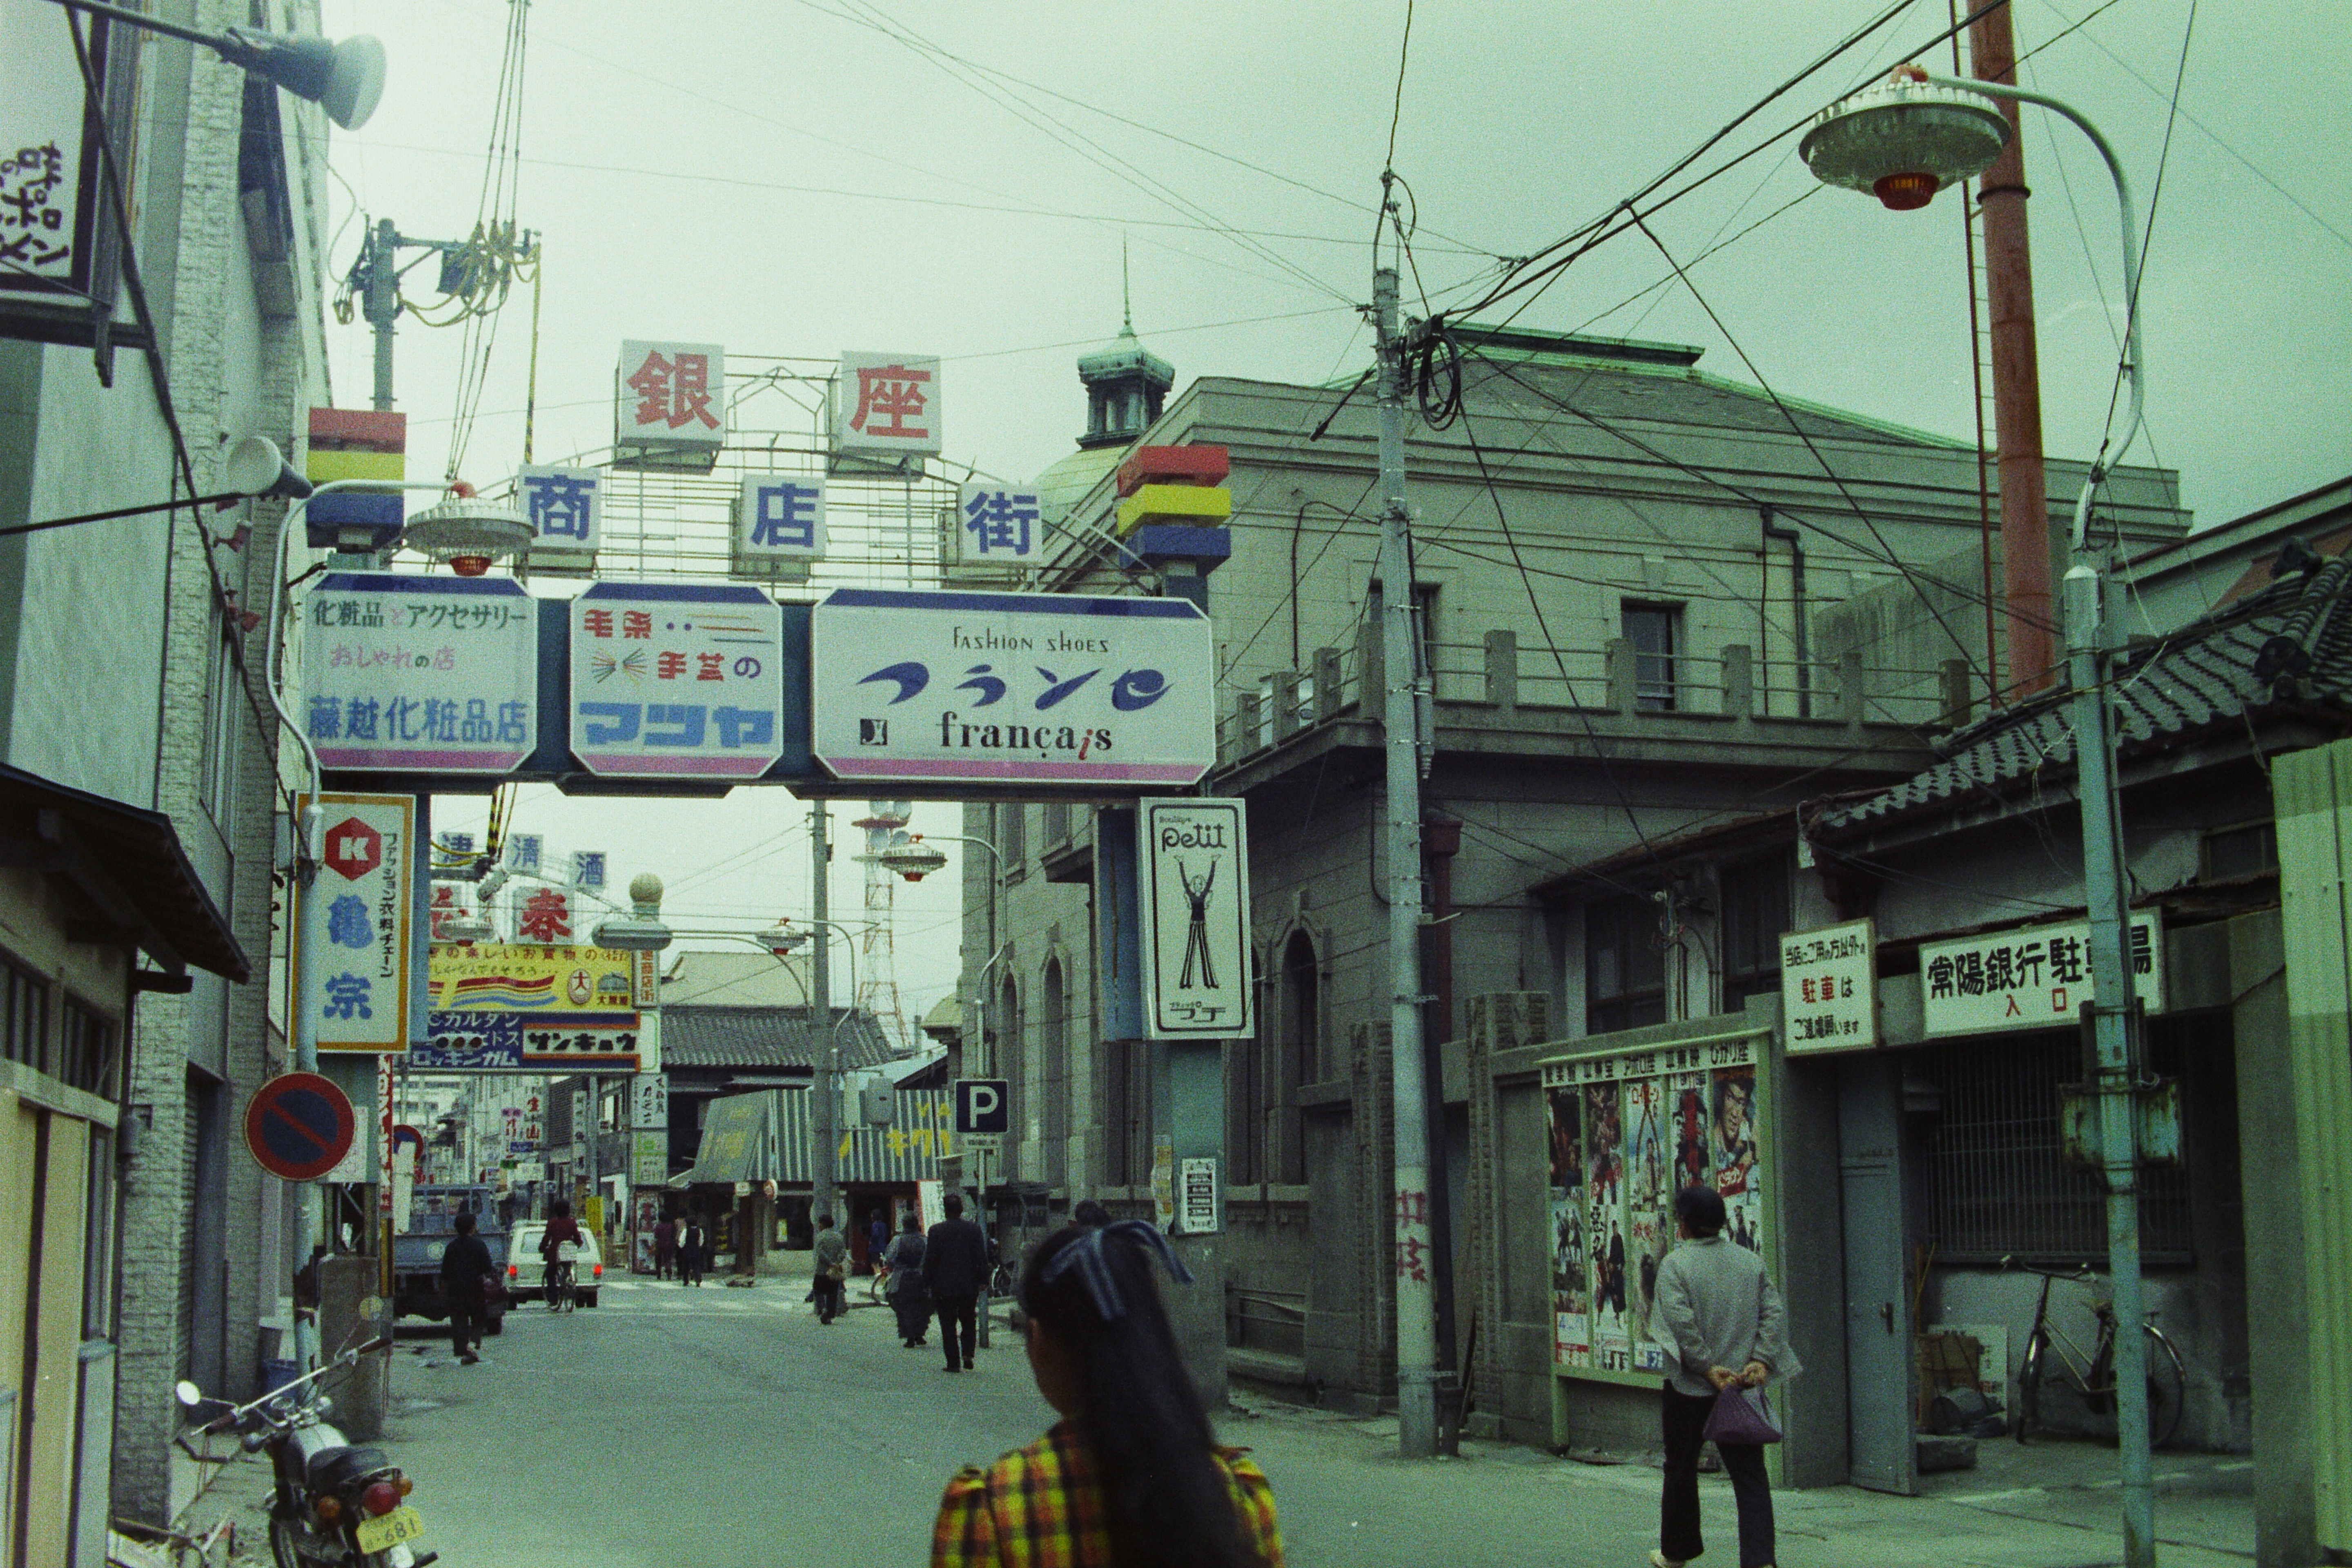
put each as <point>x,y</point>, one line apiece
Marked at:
<point>1892,138</point>
<point>346,80</point>
<point>641,930</point>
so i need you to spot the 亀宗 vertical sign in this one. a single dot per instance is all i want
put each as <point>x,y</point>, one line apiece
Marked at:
<point>355,917</point>
<point>1195,905</point>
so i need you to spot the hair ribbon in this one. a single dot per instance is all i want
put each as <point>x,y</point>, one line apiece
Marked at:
<point>1088,1255</point>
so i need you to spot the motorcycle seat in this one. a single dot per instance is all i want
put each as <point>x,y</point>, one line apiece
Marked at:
<point>334,1469</point>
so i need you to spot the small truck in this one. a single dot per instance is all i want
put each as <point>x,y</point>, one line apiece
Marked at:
<point>416,1251</point>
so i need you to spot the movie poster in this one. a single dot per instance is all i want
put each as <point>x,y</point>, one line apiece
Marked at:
<point>1571,1300</point>
<point>1646,1106</point>
<point>1604,1225</point>
<point>1732,1140</point>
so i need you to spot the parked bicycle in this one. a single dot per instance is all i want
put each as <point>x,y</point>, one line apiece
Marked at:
<point>877,1286</point>
<point>2055,1359</point>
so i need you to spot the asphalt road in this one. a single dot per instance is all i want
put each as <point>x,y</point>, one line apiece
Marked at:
<point>726,1428</point>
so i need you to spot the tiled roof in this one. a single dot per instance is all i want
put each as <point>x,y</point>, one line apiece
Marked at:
<point>2288,647</point>
<point>694,1037</point>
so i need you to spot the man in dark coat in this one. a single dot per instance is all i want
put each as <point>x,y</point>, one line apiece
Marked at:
<point>466,1280</point>
<point>955,1268</point>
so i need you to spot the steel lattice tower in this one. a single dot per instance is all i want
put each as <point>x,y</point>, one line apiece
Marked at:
<point>878,968</point>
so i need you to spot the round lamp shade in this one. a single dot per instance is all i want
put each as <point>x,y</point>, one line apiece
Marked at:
<point>1903,140</point>
<point>469,534</point>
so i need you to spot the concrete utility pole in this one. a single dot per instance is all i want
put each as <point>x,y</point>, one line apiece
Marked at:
<point>825,1136</point>
<point>2016,378</point>
<point>380,302</point>
<point>1416,1261</point>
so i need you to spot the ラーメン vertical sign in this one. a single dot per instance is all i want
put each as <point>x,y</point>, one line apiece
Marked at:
<point>1196,905</point>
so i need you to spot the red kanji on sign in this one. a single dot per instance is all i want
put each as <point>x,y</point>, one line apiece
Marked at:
<point>895,393</point>
<point>674,391</point>
<point>353,848</point>
<point>546,918</point>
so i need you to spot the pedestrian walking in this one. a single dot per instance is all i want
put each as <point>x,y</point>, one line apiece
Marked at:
<point>1723,1331</point>
<point>693,1252</point>
<point>878,1238</point>
<point>831,1269</point>
<point>467,1276</point>
<point>955,1268</point>
<point>1090,1213</point>
<point>910,1297</point>
<point>664,1246</point>
<point>1130,1475</point>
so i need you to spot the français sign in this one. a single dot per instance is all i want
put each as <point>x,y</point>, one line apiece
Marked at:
<point>410,674</point>
<point>676,681</point>
<point>1194,864</point>
<point>2035,977</point>
<point>1829,989</point>
<point>920,685</point>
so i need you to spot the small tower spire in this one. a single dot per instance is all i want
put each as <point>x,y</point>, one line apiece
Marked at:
<point>1126,293</point>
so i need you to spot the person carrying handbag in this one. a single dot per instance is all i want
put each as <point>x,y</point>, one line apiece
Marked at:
<point>831,1269</point>
<point>1725,1335</point>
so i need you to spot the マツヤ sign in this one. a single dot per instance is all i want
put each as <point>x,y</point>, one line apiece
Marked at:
<point>676,681</point>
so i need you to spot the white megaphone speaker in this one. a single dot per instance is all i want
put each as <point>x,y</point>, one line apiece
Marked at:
<point>255,467</point>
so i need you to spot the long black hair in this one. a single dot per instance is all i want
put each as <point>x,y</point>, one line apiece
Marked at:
<point>1164,1496</point>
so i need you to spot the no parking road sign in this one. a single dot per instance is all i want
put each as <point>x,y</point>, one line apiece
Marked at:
<point>299,1126</point>
<point>984,1111</point>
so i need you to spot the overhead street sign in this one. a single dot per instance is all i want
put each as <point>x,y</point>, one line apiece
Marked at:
<point>919,686</point>
<point>414,674</point>
<point>676,683</point>
<point>983,1107</point>
<point>299,1126</point>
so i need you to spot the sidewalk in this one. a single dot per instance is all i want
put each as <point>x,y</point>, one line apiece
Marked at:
<point>1346,1498</point>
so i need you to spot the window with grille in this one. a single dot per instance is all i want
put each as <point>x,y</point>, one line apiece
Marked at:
<point>223,701</point>
<point>1246,1110</point>
<point>1011,837</point>
<point>1654,631</point>
<point>26,1016</point>
<point>86,1049</point>
<point>1755,896</point>
<point>1624,967</point>
<point>1997,1178</point>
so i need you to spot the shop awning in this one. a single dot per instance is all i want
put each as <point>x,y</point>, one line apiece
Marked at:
<point>765,1137</point>
<point>121,869</point>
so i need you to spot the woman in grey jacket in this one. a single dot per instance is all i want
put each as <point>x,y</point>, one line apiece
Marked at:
<point>1723,1330</point>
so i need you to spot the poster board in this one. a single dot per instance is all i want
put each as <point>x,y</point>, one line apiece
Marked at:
<point>1626,1131</point>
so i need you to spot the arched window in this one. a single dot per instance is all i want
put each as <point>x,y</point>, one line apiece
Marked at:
<point>1054,1031</point>
<point>1302,1052</point>
<point>1010,1063</point>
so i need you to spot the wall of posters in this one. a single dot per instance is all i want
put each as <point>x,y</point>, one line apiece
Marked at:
<point>1627,1130</point>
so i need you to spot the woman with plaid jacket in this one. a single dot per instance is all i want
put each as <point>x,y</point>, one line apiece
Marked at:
<point>1132,1475</point>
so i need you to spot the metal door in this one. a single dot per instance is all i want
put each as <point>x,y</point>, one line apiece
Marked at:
<point>1877,1306</point>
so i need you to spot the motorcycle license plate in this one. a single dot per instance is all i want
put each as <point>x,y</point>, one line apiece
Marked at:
<point>381,1534</point>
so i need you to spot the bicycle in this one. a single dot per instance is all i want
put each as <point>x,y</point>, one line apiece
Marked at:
<point>2053,1358</point>
<point>1004,1280</point>
<point>877,1286</point>
<point>560,1288</point>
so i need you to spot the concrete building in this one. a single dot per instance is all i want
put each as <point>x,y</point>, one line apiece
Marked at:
<point>1645,598</point>
<point>130,681</point>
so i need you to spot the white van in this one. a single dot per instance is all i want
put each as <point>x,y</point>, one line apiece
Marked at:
<point>527,1271</point>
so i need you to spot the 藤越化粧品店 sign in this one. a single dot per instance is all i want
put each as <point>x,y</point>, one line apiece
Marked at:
<point>2037,977</point>
<point>1193,862</point>
<point>577,982</point>
<point>1829,989</point>
<point>403,674</point>
<point>676,683</point>
<point>911,684</point>
<point>354,919</point>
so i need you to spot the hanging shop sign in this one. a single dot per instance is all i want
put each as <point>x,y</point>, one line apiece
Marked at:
<point>916,685</point>
<point>649,1101</point>
<point>1195,904</point>
<point>50,190</point>
<point>887,406</point>
<point>2036,977</point>
<point>409,674</point>
<point>572,982</point>
<point>1628,1131</point>
<point>355,918</point>
<point>676,683</point>
<point>1829,989</point>
<point>997,526</point>
<point>669,408</point>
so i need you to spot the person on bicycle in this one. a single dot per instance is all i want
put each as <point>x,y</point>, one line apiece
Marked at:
<point>561,1228</point>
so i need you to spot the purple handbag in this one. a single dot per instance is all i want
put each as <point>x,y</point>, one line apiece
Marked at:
<point>1742,1415</point>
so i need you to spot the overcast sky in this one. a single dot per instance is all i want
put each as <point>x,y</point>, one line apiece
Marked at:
<point>783,178</point>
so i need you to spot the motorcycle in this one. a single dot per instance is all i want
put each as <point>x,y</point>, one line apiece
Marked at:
<point>332,1504</point>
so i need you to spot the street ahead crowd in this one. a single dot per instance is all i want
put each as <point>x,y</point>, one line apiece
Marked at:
<point>1131,1475</point>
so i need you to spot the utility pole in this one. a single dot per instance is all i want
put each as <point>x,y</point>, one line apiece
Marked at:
<point>824,1135</point>
<point>1417,1299</point>
<point>380,302</point>
<point>2016,377</point>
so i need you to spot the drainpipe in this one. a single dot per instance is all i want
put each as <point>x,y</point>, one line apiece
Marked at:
<point>1798,630</point>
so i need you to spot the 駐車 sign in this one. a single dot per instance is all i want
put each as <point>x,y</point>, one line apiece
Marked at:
<point>2037,977</point>
<point>911,684</point>
<point>1829,989</point>
<point>406,674</point>
<point>1194,866</point>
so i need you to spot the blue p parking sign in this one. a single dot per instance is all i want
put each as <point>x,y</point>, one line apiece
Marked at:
<point>983,1107</point>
